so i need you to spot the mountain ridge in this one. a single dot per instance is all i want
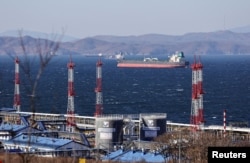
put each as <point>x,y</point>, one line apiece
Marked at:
<point>219,42</point>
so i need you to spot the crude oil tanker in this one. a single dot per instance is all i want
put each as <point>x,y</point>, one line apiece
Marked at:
<point>176,60</point>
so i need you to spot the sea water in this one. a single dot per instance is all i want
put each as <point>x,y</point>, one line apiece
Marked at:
<point>226,83</point>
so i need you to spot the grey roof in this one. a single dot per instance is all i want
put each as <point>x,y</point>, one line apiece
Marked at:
<point>7,109</point>
<point>47,143</point>
<point>136,155</point>
<point>11,127</point>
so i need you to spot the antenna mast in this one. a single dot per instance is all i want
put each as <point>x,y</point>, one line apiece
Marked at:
<point>98,89</point>
<point>197,113</point>
<point>17,103</point>
<point>70,108</point>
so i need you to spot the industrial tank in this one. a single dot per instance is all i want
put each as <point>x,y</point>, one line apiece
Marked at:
<point>152,125</point>
<point>109,131</point>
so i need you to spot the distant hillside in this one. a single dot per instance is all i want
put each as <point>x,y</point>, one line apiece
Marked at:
<point>221,42</point>
<point>35,34</point>
<point>244,29</point>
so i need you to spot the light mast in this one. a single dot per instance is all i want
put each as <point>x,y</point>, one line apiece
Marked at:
<point>197,113</point>
<point>17,102</point>
<point>98,89</point>
<point>70,120</point>
<point>194,103</point>
<point>200,93</point>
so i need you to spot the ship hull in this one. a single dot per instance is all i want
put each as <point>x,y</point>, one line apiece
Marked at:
<point>151,65</point>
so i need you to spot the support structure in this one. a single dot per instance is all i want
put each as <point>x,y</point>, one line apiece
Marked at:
<point>200,93</point>
<point>70,126</point>
<point>17,102</point>
<point>224,123</point>
<point>197,113</point>
<point>194,102</point>
<point>98,89</point>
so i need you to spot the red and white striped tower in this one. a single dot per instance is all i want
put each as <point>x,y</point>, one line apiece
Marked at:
<point>98,89</point>
<point>224,123</point>
<point>200,93</point>
<point>194,104</point>
<point>70,126</point>
<point>17,102</point>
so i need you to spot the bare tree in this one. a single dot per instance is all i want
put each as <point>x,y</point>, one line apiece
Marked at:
<point>45,50</point>
<point>193,146</point>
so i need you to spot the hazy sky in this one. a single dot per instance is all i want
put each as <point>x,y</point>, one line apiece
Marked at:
<point>84,18</point>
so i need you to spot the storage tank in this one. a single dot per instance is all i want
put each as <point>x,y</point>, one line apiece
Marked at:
<point>152,125</point>
<point>109,131</point>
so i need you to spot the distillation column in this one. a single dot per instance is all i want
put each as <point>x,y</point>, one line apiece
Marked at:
<point>70,120</point>
<point>17,103</point>
<point>98,89</point>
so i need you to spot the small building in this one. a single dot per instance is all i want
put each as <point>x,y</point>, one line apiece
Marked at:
<point>8,130</point>
<point>135,156</point>
<point>136,151</point>
<point>28,143</point>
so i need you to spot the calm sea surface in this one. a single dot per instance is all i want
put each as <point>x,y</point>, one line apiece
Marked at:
<point>131,91</point>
